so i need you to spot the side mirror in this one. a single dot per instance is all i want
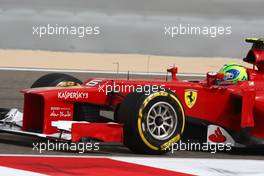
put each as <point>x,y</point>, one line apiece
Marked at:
<point>173,70</point>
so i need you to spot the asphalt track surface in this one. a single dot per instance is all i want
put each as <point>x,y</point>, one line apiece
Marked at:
<point>11,82</point>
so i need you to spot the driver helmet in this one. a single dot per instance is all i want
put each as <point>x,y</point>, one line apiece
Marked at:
<point>234,72</point>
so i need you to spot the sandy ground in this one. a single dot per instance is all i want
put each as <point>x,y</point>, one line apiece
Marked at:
<point>108,62</point>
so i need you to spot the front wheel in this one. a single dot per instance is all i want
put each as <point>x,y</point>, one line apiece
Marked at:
<point>56,80</point>
<point>152,123</point>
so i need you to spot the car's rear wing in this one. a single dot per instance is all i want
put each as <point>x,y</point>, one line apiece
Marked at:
<point>258,43</point>
<point>255,55</point>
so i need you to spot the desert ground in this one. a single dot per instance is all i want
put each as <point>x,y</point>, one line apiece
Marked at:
<point>108,62</point>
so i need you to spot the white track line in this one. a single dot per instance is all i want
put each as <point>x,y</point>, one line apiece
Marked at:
<point>196,166</point>
<point>95,71</point>
<point>6,171</point>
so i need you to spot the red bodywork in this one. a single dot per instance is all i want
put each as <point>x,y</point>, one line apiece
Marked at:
<point>231,106</point>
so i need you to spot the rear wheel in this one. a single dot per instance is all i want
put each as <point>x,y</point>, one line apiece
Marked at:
<point>56,80</point>
<point>152,123</point>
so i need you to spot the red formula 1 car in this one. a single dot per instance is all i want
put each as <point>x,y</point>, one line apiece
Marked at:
<point>147,116</point>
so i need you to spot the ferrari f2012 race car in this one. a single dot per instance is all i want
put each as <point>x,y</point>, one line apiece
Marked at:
<point>148,116</point>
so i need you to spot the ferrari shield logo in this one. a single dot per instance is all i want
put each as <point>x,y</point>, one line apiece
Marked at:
<point>190,97</point>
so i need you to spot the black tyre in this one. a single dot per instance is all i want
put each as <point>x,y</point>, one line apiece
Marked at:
<point>56,80</point>
<point>152,123</point>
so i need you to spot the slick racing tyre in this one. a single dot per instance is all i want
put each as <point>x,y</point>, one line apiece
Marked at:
<point>152,123</point>
<point>56,80</point>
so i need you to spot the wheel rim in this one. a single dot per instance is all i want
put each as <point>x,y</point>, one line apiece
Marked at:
<point>161,121</point>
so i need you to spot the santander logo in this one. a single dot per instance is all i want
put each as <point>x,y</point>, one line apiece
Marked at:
<point>217,137</point>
